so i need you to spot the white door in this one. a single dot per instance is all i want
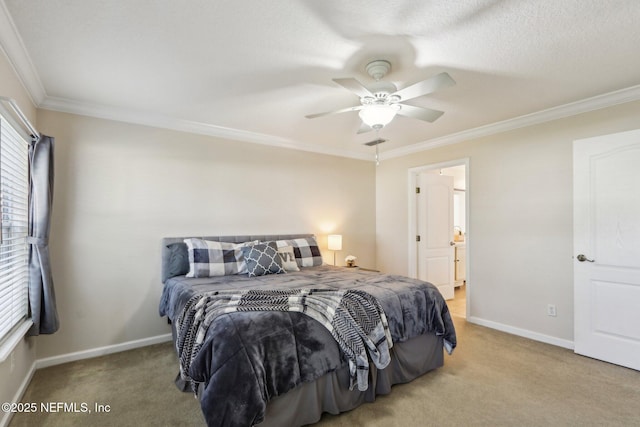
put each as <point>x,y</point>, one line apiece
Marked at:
<point>435,228</point>
<point>607,248</point>
<point>461,264</point>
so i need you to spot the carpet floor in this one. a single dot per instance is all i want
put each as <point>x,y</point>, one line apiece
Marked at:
<point>492,379</point>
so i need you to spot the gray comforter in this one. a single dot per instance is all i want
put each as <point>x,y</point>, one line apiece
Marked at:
<point>250,357</point>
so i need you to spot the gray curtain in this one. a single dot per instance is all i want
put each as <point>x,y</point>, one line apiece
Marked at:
<point>42,298</point>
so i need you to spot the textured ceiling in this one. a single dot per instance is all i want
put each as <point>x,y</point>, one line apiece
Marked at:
<point>252,70</point>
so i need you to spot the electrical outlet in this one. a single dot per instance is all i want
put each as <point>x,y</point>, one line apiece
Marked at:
<point>551,310</point>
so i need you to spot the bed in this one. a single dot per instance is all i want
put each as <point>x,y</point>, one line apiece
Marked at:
<point>283,368</point>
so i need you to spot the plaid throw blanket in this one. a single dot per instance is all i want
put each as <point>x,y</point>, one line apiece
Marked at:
<point>354,318</point>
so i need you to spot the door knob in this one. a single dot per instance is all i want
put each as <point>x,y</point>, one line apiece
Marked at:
<point>452,243</point>
<point>583,258</point>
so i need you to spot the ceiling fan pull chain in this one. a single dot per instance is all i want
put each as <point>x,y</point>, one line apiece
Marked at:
<point>377,150</point>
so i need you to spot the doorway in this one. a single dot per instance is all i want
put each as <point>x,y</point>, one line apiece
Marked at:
<point>457,231</point>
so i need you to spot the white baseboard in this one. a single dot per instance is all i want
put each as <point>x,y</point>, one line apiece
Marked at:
<point>6,419</point>
<point>100,351</point>
<point>548,339</point>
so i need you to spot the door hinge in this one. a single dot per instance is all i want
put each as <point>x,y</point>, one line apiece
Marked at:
<point>417,238</point>
<point>417,190</point>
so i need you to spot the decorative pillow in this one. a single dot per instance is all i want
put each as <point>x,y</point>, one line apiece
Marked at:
<point>288,258</point>
<point>263,259</point>
<point>178,260</point>
<point>305,249</point>
<point>208,258</point>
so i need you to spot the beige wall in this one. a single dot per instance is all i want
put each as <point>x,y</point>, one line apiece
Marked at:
<point>11,378</point>
<point>520,235</point>
<point>120,188</point>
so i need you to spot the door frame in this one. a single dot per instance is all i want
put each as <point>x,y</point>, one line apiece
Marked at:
<point>412,252</point>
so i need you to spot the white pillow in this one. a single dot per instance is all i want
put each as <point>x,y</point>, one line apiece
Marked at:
<point>288,258</point>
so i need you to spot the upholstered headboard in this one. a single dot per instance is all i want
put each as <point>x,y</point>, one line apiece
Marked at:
<point>231,239</point>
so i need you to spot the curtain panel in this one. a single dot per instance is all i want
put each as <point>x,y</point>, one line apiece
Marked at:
<point>42,298</point>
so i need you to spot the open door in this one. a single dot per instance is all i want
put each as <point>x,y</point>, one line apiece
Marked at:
<point>607,248</point>
<point>435,230</point>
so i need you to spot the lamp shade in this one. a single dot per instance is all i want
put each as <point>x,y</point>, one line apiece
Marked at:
<point>334,242</point>
<point>378,116</point>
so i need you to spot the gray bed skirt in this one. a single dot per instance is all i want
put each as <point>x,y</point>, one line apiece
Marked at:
<point>330,393</point>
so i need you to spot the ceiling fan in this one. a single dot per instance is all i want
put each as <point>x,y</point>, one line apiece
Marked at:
<point>381,101</point>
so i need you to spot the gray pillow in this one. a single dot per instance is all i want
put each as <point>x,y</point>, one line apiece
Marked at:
<point>263,259</point>
<point>178,260</point>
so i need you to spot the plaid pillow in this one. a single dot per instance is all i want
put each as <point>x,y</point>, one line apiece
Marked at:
<point>263,259</point>
<point>207,258</point>
<point>306,251</point>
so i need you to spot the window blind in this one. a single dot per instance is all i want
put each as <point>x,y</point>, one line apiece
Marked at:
<point>14,208</point>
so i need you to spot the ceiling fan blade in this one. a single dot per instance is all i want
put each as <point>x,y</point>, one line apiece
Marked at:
<point>354,86</point>
<point>344,110</point>
<point>430,85</point>
<point>364,128</point>
<point>420,113</point>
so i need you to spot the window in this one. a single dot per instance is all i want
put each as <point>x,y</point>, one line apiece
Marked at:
<point>14,207</point>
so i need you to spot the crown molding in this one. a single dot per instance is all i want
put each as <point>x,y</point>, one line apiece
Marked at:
<point>166,122</point>
<point>135,117</point>
<point>574,108</point>
<point>12,45</point>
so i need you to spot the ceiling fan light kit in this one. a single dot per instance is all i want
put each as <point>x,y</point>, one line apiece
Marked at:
<point>378,116</point>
